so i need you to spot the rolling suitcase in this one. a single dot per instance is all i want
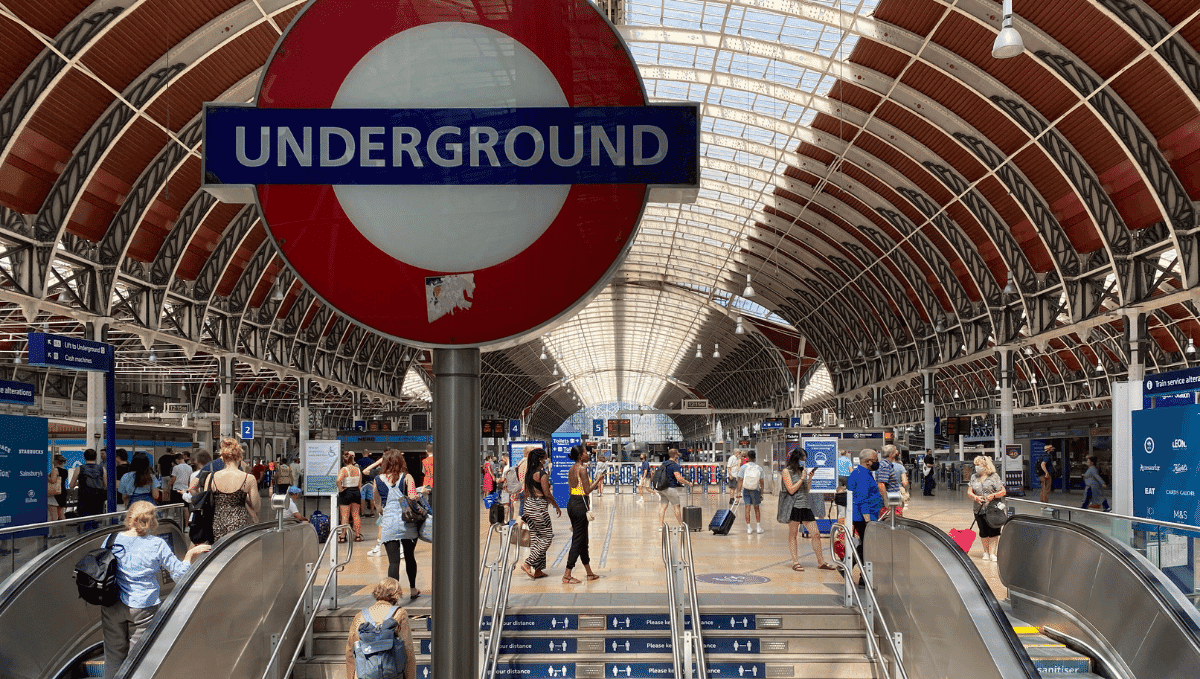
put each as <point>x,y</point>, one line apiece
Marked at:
<point>693,518</point>
<point>723,519</point>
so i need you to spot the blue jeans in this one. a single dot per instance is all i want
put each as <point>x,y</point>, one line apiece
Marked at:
<point>1087,500</point>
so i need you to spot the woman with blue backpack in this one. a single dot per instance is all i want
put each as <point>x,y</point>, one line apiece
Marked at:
<point>380,644</point>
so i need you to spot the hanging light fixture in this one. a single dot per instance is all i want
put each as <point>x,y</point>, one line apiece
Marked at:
<point>956,394</point>
<point>1008,42</point>
<point>1099,366</point>
<point>153,356</point>
<point>1191,347</point>
<point>543,356</point>
<point>739,330</point>
<point>749,291</point>
<point>699,353</point>
<point>941,324</point>
<point>555,373</point>
<point>17,359</point>
<point>716,351</point>
<point>1011,287</point>
<point>277,291</point>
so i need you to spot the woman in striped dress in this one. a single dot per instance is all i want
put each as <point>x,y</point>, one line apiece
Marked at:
<point>538,499</point>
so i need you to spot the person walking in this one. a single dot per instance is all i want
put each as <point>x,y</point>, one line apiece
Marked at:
<point>643,479</point>
<point>1046,473</point>
<point>867,502</point>
<point>577,508</point>
<point>672,495</point>
<point>795,509</point>
<point>986,485</point>
<point>138,484</point>
<point>750,477</point>
<point>140,557</point>
<point>90,482</point>
<point>732,465</point>
<point>181,478</point>
<point>349,495</point>
<point>427,468</point>
<point>235,493</point>
<point>927,473</point>
<point>395,533</point>
<point>1093,497</point>
<point>386,595</point>
<point>538,498</point>
<point>56,497</point>
<point>284,478</point>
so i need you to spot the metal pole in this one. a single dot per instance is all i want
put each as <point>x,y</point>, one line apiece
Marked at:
<point>456,414</point>
<point>110,431</point>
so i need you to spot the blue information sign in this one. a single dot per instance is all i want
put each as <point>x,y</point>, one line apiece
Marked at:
<point>514,429</point>
<point>360,425</point>
<point>796,422</point>
<point>638,621</point>
<point>821,454</point>
<point>535,622</point>
<point>23,456</point>
<point>61,351</point>
<point>744,670</point>
<point>560,482</point>
<point>1172,382</point>
<point>597,427</point>
<point>1166,476</point>
<point>247,430</point>
<point>377,146</point>
<point>19,393</point>
<point>663,645</point>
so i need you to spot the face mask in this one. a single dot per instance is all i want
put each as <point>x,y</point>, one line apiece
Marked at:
<point>978,469</point>
<point>873,465</point>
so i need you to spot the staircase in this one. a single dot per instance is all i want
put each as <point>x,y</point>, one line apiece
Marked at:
<point>628,636</point>
<point>1052,659</point>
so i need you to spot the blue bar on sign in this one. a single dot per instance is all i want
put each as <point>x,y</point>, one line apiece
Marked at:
<point>62,351</point>
<point>20,393</point>
<point>541,622</point>
<point>481,146</point>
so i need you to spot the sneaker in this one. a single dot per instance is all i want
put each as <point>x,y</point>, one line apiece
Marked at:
<point>641,500</point>
<point>375,551</point>
<point>749,530</point>
<point>759,530</point>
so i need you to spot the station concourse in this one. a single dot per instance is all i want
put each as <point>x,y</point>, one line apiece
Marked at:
<point>961,227</point>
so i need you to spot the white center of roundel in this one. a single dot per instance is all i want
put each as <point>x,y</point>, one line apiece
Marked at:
<point>451,228</point>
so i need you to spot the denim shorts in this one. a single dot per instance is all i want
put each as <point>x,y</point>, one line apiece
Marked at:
<point>752,497</point>
<point>368,491</point>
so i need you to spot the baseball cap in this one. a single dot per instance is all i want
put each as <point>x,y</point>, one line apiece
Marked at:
<point>294,490</point>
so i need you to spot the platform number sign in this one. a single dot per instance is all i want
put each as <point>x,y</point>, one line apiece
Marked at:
<point>247,430</point>
<point>439,153</point>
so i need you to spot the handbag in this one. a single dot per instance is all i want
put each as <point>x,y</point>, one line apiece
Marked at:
<point>426,532</point>
<point>520,534</point>
<point>587,502</point>
<point>996,513</point>
<point>54,487</point>
<point>491,499</point>
<point>200,524</point>
<point>414,512</point>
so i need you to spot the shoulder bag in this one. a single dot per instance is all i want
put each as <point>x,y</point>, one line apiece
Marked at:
<point>414,512</point>
<point>996,513</point>
<point>200,524</point>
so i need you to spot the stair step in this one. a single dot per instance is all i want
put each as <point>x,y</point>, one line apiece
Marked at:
<point>1059,660</point>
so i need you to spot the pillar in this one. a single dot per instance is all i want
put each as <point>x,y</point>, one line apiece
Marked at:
<point>928,384</point>
<point>302,420</point>
<point>1126,398</point>
<point>1006,435</point>
<point>225,377</point>
<point>456,394</point>
<point>877,407</point>
<point>95,395</point>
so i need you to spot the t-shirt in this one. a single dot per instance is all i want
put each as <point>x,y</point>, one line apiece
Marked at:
<point>427,467</point>
<point>292,509</point>
<point>732,467</point>
<point>645,469</point>
<point>867,500</point>
<point>889,473</point>
<point>741,474</point>
<point>214,466</point>
<point>671,469</point>
<point>182,473</point>
<point>843,466</point>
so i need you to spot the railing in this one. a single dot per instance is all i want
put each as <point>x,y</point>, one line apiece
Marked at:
<point>495,573</point>
<point>868,607</point>
<point>677,558</point>
<point>20,544</point>
<point>308,602</point>
<point>1163,543</point>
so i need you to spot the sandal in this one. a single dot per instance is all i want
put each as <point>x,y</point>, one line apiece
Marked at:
<point>826,567</point>
<point>798,568</point>
<point>415,593</point>
<point>540,574</point>
<point>525,569</point>
<point>594,576</point>
<point>358,538</point>
<point>571,581</point>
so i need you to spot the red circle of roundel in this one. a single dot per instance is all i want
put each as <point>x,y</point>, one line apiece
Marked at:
<point>549,278</point>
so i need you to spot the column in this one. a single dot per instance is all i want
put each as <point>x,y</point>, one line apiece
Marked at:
<point>456,506</point>
<point>877,407</point>
<point>302,420</point>
<point>356,405</point>
<point>225,377</point>
<point>1126,398</point>
<point>95,395</point>
<point>928,384</point>
<point>1006,434</point>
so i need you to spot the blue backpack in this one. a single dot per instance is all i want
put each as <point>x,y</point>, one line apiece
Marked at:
<point>378,654</point>
<point>320,523</point>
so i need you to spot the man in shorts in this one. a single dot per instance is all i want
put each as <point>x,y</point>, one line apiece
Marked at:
<point>750,477</point>
<point>731,469</point>
<point>673,493</point>
<point>643,478</point>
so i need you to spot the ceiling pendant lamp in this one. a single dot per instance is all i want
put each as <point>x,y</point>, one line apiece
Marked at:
<point>716,351</point>
<point>1191,347</point>
<point>153,356</point>
<point>739,330</point>
<point>1011,287</point>
<point>277,291</point>
<point>555,373</point>
<point>543,356</point>
<point>1099,366</point>
<point>1008,42</point>
<point>699,353</point>
<point>749,291</point>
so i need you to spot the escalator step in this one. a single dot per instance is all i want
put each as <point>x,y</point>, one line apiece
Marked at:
<point>1025,629</point>
<point>1059,660</point>
<point>94,668</point>
<point>1039,641</point>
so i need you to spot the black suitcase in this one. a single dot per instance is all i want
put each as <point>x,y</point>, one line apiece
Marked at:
<point>722,521</point>
<point>693,518</point>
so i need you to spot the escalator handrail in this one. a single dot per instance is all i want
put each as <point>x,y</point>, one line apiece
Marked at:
<point>985,590</point>
<point>847,573</point>
<point>168,606</point>
<point>12,589</point>
<point>79,519</point>
<point>1165,593</point>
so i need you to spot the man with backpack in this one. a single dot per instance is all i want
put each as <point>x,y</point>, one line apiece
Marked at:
<point>750,476</point>
<point>380,644</point>
<point>1046,472</point>
<point>90,481</point>
<point>669,482</point>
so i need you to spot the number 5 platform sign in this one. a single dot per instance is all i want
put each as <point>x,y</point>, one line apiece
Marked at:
<point>442,155</point>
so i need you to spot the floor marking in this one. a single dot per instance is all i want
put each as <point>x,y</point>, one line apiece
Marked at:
<point>607,539</point>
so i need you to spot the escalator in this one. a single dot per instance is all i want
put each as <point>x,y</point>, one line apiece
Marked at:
<point>40,607</point>
<point>1080,604</point>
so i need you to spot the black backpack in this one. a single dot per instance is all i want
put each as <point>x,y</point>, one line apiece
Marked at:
<point>96,575</point>
<point>200,523</point>
<point>91,479</point>
<point>660,480</point>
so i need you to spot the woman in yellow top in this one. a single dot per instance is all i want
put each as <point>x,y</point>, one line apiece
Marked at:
<point>577,509</point>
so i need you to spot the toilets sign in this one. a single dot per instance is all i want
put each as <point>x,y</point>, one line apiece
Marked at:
<point>442,156</point>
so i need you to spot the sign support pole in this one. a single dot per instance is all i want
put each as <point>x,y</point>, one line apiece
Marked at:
<point>456,394</point>
<point>110,432</point>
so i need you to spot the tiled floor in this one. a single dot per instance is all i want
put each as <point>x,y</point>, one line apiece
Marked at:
<point>625,550</point>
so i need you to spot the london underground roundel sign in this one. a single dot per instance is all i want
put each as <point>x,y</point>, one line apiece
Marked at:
<point>452,174</point>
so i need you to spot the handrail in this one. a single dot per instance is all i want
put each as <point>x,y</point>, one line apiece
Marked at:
<point>679,557</point>
<point>499,571</point>
<point>79,519</point>
<point>852,590</point>
<point>306,594</point>
<point>1105,515</point>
